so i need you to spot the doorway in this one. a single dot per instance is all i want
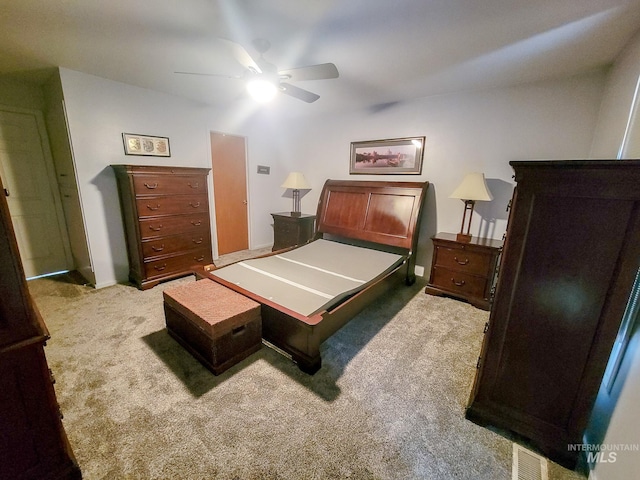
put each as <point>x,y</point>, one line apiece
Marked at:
<point>229,170</point>
<point>30,185</point>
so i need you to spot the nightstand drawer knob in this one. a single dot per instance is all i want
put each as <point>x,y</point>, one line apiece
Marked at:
<point>461,262</point>
<point>151,187</point>
<point>459,284</point>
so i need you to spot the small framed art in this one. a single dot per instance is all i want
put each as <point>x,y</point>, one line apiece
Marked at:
<point>135,144</point>
<point>385,157</point>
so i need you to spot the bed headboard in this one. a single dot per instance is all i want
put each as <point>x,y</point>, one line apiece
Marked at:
<point>387,213</point>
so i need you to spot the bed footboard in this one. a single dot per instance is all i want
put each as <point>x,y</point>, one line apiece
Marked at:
<point>301,340</point>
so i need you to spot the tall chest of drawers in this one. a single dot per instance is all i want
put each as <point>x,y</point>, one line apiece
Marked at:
<point>166,218</point>
<point>464,270</point>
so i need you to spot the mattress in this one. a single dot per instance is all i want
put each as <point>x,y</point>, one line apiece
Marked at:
<point>311,278</point>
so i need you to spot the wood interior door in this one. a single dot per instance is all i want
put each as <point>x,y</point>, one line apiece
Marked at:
<point>228,162</point>
<point>34,201</point>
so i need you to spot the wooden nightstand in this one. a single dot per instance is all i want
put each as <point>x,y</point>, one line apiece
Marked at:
<point>464,270</point>
<point>290,230</point>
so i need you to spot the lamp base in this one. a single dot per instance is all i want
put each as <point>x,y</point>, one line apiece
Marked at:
<point>463,237</point>
<point>296,214</point>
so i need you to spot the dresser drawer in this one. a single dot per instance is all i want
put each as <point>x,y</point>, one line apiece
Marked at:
<point>178,263</point>
<point>463,260</point>
<point>157,206</point>
<point>160,246</point>
<point>169,184</point>
<point>159,227</point>
<point>459,282</point>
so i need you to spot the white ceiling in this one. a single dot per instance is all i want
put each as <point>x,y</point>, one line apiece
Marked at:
<point>386,51</point>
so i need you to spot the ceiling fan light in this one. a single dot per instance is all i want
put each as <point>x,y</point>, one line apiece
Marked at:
<point>261,90</point>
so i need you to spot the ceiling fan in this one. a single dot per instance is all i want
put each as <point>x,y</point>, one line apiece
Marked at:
<point>264,80</point>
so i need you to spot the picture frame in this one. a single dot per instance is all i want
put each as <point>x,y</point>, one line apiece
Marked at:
<point>394,156</point>
<point>136,144</point>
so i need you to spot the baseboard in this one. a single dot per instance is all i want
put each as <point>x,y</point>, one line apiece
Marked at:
<point>98,286</point>
<point>258,247</point>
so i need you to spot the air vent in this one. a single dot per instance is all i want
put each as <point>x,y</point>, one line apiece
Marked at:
<point>528,465</point>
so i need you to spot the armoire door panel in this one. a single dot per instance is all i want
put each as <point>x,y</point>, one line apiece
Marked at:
<point>569,257</point>
<point>569,261</point>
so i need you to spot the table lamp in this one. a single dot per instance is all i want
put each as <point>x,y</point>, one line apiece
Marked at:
<point>296,182</point>
<point>472,189</point>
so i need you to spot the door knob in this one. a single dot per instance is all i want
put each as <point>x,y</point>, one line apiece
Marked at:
<point>244,202</point>
<point>6,192</point>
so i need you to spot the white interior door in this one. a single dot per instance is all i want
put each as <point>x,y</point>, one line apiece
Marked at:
<point>34,202</point>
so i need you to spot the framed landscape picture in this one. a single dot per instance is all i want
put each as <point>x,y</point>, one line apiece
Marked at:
<point>384,157</point>
<point>135,144</point>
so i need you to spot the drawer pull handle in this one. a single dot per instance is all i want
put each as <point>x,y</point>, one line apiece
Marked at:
<point>151,227</point>
<point>199,259</point>
<point>196,223</point>
<point>194,205</point>
<point>160,267</point>
<point>459,284</point>
<point>151,187</point>
<point>157,207</point>
<point>463,262</point>
<point>195,185</point>
<point>157,249</point>
<point>238,330</point>
<point>197,242</point>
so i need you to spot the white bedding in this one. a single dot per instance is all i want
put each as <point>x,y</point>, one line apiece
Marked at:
<point>313,277</point>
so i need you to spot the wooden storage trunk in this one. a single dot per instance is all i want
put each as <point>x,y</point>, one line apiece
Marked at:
<point>215,324</point>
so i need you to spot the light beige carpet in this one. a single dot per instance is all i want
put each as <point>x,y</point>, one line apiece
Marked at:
<point>388,402</point>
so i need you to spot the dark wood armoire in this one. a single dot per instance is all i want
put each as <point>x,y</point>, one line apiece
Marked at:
<point>571,253</point>
<point>33,443</point>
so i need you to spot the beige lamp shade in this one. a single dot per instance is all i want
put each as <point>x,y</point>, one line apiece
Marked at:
<point>296,181</point>
<point>473,187</point>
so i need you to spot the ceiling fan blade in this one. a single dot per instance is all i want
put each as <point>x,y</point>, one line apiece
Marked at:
<point>312,72</point>
<point>243,57</point>
<point>299,93</point>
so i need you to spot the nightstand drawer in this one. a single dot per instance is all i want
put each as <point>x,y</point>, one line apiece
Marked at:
<point>459,282</point>
<point>464,270</point>
<point>290,230</point>
<point>464,260</point>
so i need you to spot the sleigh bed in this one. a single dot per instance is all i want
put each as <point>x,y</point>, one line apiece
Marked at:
<point>365,242</point>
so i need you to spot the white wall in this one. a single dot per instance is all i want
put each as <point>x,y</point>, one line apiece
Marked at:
<point>480,131</point>
<point>66,177</point>
<point>464,132</point>
<point>615,418</point>
<point>617,104</point>
<point>99,111</point>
